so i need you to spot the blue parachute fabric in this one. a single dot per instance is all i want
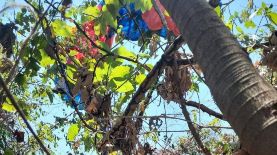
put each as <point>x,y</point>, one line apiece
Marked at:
<point>60,84</point>
<point>163,32</point>
<point>132,23</point>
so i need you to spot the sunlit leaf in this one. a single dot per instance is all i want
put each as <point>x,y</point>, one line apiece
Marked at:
<point>140,78</point>
<point>101,72</point>
<point>72,52</point>
<point>7,106</point>
<point>70,72</point>
<point>92,11</point>
<point>239,29</point>
<point>123,86</point>
<point>123,51</point>
<point>273,17</point>
<point>218,11</point>
<point>72,132</point>
<point>60,28</point>
<point>143,5</point>
<point>96,28</point>
<point>45,59</point>
<point>119,71</point>
<point>249,24</point>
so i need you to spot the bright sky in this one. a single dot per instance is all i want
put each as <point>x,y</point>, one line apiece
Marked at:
<point>156,108</point>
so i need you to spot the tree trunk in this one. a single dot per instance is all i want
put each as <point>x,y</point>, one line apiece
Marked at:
<point>246,100</point>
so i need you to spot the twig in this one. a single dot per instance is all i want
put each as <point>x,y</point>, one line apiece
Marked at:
<point>141,113</point>
<point>195,134</point>
<point>22,115</point>
<point>158,10</point>
<point>205,109</point>
<point>182,102</point>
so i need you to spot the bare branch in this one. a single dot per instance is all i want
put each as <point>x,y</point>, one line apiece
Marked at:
<point>158,10</point>
<point>205,109</point>
<point>195,134</point>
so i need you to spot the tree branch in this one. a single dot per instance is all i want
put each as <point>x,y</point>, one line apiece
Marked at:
<point>158,10</point>
<point>195,134</point>
<point>146,84</point>
<point>205,109</point>
<point>182,102</point>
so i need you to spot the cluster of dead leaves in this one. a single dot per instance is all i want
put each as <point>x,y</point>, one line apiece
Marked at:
<point>153,45</point>
<point>270,60</point>
<point>124,139</point>
<point>95,103</point>
<point>169,89</point>
<point>270,53</point>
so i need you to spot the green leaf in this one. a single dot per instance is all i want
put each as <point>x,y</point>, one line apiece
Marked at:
<point>140,78</point>
<point>92,11</point>
<point>119,71</point>
<point>249,24</point>
<point>123,51</point>
<point>264,6</point>
<point>195,87</point>
<point>46,60</point>
<point>8,152</point>
<point>144,55</point>
<point>103,46</point>
<point>112,7</point>
<point>218,11</point>
<point>72,53</point>
<point>214,122</point>
<point>97,28</point>
<point>72,132</point>
<point>101,72</point>
<point>122,99</point>
<point>239,29</point>
<point>123,86</point>
<point>229,24</point>
<point>20,79</point>
<point>143,5</point>
<point>7,106</point>
<point>273,17</point>
<point>60,28</point>
<point>71,12</point>
<point>150,66</point>
<point>108,18</point>
<point>70,72</point>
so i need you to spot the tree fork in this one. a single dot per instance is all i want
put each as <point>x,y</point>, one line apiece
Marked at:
<point>246,100</point>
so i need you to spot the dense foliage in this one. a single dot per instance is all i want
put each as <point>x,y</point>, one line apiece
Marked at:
<point>106,76</point>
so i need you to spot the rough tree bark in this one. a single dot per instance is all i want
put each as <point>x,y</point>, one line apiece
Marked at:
<point>246,100</point>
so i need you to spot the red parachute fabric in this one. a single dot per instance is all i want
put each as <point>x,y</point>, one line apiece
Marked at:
<point>154,22</point>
